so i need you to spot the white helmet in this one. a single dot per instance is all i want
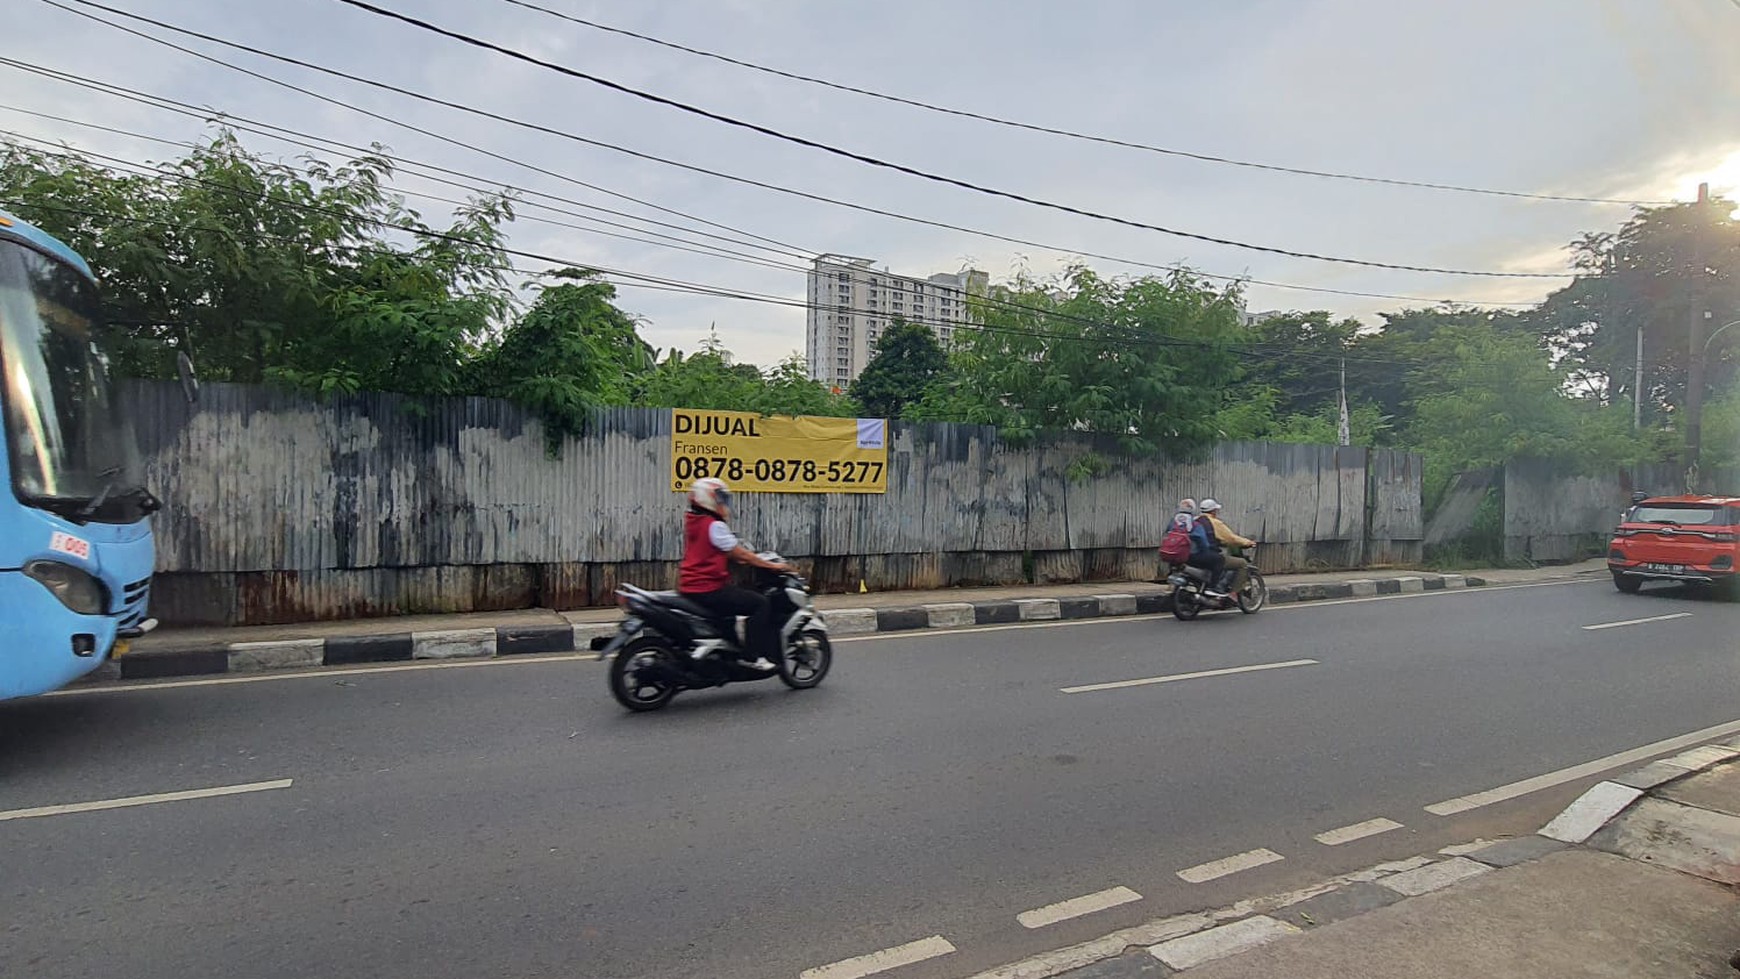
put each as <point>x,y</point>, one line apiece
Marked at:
<point>1210,504</point>
<point>1187,505</point>
<point>710,494</point>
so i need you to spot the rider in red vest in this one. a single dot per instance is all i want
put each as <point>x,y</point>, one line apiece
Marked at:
<point>709,547</point>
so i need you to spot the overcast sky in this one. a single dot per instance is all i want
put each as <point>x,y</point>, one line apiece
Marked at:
<point>1602,98</point>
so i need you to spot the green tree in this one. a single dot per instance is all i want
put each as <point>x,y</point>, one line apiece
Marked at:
<point>1648,275</point>
<point>572,351</point>
<point>1298,356</point>
<point>263,271</point>
<point>710,379</point>
<point>1491,396</point>
<point>1149,360</point>
<point>788,390</point>
<point>908,360</point>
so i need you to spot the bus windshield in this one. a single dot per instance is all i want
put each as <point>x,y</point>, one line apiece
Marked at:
<point>70,450</point>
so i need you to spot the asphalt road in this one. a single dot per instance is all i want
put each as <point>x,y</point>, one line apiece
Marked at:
<point>507,819</point>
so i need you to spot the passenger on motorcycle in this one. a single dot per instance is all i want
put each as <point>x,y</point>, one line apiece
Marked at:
<point>704,578</point>
<point>1205,552</point>
<point>1226,537</point>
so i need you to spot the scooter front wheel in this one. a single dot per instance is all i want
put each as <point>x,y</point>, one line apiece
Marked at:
<point>1255,594</point>
<point>807,660</point>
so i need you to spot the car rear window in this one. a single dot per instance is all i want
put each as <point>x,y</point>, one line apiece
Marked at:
<point>1684,514</point>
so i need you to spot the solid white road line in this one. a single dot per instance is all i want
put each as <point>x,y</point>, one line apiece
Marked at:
<point>1075,907</point>
<point>1216,869</point>
<point>1653,618</point>
<point>1174,678</point>
<point>587,657</point>
<point>888,958</point>
<point>1505,793</point>
<point>1358,831</point>
<point>144,800</point>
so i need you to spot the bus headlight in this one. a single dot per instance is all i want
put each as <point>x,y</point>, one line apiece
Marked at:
<point>76,589</point>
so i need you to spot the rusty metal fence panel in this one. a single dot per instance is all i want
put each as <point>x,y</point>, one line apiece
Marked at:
<point>355,503</point>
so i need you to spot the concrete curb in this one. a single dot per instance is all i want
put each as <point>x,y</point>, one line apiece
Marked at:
<point>1597,819</point>
<point>397,647</point>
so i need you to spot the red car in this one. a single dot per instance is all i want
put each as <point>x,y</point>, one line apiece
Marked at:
<point>1677,538</point>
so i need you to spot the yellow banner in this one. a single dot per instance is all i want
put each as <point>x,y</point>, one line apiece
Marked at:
<point>756,454</point>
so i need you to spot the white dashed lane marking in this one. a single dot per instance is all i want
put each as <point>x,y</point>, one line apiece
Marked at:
<point>1358,831</point>
<point>1653,618</point>
<point>889,958</point>
<point>143,800</point>
<point>1176,677</point>
<point>1076,907</point>
<point>1226,866</point>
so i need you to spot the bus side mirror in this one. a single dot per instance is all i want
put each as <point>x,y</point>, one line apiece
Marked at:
<point>189,381</point>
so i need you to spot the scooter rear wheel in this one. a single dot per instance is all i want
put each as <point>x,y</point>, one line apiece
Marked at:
<point>1186,603</point>
<point>634,675</point>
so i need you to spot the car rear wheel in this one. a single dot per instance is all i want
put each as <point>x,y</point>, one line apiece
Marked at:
<point>1626,583</point>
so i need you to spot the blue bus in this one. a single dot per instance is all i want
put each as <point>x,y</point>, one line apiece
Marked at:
<point>76,552</point>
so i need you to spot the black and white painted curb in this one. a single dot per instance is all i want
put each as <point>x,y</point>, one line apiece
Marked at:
<point>392,647</point>
<point>1628,815</point>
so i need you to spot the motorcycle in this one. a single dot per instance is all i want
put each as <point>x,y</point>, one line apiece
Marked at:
<point>1190,593</point>
<point>667,644</point>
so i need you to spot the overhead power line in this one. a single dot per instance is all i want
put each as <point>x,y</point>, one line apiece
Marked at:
<point>1114,334</point>
<point>1054,131</point>
<point>907,169</point>
<point>659,99</point>
<point>274,131</point>
<point>145,169</point>
<point>794,249</point>
<point>404,165</point>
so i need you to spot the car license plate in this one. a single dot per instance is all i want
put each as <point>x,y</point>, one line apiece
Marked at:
<point>1666,568</point>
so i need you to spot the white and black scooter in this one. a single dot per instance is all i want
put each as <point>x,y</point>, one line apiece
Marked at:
<point>667,644</point>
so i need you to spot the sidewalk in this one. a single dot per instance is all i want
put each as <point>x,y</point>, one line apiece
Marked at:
<point>1636,879</point>
<point>173,652</point>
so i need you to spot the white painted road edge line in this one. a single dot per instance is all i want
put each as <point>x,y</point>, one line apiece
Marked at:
<point>1174,678</point>
<point>888,958</point>
<point>137,686</point>
<point>1358,831</point>
<point>1505,793</point>
<point>1216,869</point>
<point>1076,907</point>
<point>144,800</point>
<point>1653,618</point>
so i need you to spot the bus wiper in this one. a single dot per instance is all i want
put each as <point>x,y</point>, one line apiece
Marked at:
<point>108,477</point>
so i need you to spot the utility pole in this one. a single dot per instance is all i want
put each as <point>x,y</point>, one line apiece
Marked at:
<point>1637,385</point>
<point>1697,346</point>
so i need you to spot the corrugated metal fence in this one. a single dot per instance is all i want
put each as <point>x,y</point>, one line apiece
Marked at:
<point>1553,513</point>
<point>280,507</point>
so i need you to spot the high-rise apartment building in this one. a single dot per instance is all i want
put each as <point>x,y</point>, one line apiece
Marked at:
<point>851,304</point>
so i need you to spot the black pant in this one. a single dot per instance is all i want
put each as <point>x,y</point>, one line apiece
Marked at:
<point>729,602</point>
<point>1214,563</point>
